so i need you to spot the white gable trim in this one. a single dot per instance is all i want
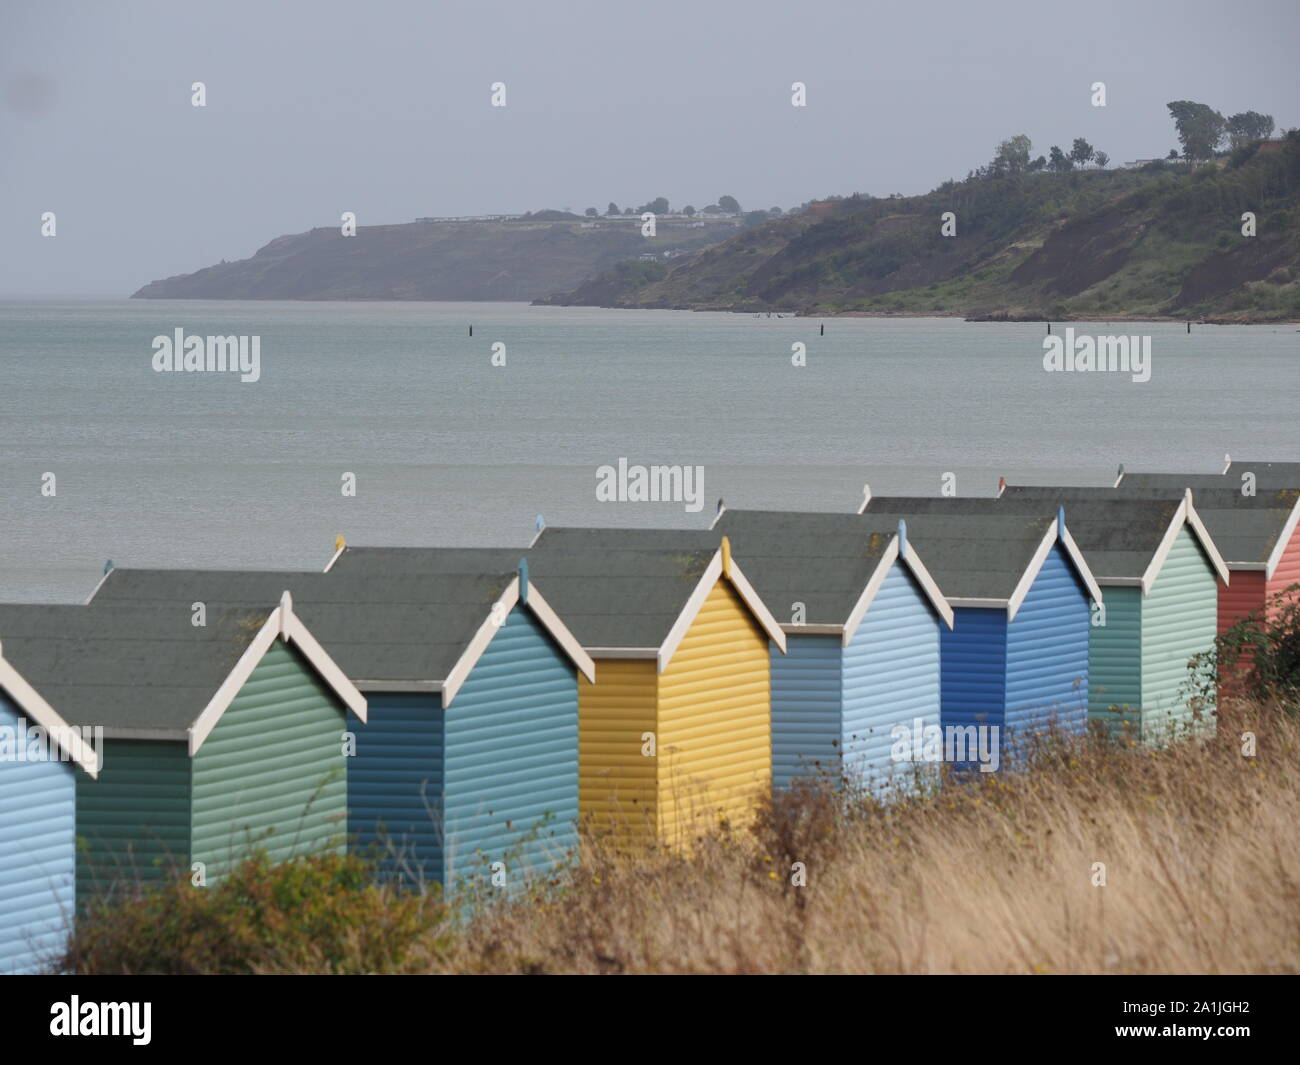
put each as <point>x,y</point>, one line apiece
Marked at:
<point>478,643</point>
<point>294,631</point>
<point>1207,541</point>
<point>29,701</point>
<point>1166,545</point>
<point>1283,539</point>
<point>100,583</point>
<point>554,624</point>
<point>878,577</point>
<point>334,558</point>
<point>225,694</point>
<point>761,614</point>
<point>929,584</point>
<point>693,606</point>
<point>1050,538</point>
<point>1184,515</point>
<point>283,624</point>
<point>712,573</point>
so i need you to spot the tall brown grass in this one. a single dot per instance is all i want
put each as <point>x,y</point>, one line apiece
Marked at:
<point>993,873</point>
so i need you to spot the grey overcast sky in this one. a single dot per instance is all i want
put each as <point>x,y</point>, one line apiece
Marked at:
<point>383,107</point>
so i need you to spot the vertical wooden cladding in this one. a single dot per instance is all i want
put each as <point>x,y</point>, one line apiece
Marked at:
<point>618,784</point>
<point>37,849</point>
<point>714,735</point>
<point>1179,621</point>
<point>133,820</point>
<point>1047,654</point>
<point>1115,665</point>
<point>272,774</point>
<point>511,777</point>
<point>890,677</point>
<point>395,785</point>
<point>807,708</point>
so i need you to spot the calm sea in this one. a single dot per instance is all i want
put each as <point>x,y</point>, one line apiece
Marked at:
<point>203,470</point>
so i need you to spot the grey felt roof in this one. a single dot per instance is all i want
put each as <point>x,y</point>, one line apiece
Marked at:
<point>616,588</point>
<point>127,666</point>
<point>973,548</point>
<point>393,628</point>
<point>1245,529</point>
<point>1272,475</point>
<point>1118,536</point>
<point>823,560</point>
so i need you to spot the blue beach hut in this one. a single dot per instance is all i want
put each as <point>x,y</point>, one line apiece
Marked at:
<point>862,617</point>
<point>1015,663</point>
<point>40,755</point>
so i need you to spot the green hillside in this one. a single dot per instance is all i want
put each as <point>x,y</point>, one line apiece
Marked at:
<point>1157,241</point>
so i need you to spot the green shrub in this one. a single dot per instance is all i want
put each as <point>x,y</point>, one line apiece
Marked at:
<point>1258,656</point>
<point>324,913</point>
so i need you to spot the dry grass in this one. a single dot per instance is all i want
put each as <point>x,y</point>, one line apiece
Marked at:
<point>992,875</point>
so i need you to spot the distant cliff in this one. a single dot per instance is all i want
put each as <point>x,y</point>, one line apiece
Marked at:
<point>1153,242</point>
<point>520,259</point>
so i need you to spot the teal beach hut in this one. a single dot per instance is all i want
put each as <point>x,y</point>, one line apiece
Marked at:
<point>222,732</point>
<point>1162,574</point>
<point>466,771</point>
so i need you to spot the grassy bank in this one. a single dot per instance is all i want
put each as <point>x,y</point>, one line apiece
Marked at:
<point>997,874</point>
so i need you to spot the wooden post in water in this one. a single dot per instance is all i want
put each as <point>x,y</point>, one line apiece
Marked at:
<point>471,330</point>
<point>1189,328</point>
<point>1049,329</point>
<point>823,332</point>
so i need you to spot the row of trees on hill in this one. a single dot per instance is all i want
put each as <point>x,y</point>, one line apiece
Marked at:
<point>1202,130</point>
<point>1014,157</point>
<point>659,205</point>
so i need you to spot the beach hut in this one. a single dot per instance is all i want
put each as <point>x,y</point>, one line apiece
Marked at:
<point>222,732</point>
<point>862,618</point>
<point>674,732</point>
<point>1015,663</point>
<point>1161,574</point>
<point>40,757</point>
<point>1252,511</point>
<point>466,770</point>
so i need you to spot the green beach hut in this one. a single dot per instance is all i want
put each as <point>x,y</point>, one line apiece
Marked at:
<point>222,731</point>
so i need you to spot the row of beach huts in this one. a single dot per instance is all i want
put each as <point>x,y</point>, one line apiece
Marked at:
<point>456,711</point>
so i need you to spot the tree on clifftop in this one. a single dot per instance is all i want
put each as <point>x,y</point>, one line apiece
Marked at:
<point>1247,126</point>
<point>1012,155</point>
<point>1200,128</point>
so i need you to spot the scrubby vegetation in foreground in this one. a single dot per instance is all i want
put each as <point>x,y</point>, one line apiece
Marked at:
<point>996,874</point>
